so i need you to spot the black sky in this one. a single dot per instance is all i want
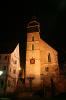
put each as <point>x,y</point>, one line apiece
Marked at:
<point>52,17</point>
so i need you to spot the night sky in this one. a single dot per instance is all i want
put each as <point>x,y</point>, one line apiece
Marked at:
<point>52,17</point>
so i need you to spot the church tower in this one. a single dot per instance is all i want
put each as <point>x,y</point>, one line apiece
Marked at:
<point>41,58</point>
<point>33,52</point>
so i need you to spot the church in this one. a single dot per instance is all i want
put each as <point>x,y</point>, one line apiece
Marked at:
<point>41,62</point>
<point>41,58</point>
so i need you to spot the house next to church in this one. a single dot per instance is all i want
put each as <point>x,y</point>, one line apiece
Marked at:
<point>9,71</point>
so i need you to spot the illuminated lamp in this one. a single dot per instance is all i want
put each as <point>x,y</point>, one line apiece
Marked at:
<point>1,72</point>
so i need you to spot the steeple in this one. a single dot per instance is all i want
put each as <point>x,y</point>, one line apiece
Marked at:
<point>33,25</point>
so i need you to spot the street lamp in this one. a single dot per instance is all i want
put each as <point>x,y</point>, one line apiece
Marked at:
<point>1,72</point>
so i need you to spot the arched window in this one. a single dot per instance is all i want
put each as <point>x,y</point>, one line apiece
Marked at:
<point>32,46</point>
<point>32,38</point>
<point>49,57</point>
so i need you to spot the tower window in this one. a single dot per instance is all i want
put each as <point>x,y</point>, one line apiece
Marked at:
<point>49,57</point>
<point>32,38</point>
<point>32,46</point>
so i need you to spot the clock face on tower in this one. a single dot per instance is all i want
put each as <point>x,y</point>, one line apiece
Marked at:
<point>32,61</point>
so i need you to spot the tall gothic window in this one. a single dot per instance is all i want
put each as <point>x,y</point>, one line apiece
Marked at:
<point>49,57</point>
<point>32,46</point>
<point>32,38</point>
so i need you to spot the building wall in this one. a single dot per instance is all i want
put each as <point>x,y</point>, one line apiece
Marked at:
<point>13,70</point>
<point>53,67</point>
<point>10,65</point>
<point>33,70</point>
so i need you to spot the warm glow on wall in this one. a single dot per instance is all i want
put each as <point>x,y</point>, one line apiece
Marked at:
<point>19,68</point>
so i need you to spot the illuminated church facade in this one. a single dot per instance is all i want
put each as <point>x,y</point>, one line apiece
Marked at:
<point>41,58</point>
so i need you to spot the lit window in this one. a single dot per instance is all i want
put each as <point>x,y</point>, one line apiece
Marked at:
<point>49,58</point>
<point>32,46</point>
<point>14,71</point>
<point>32,38</point>
<point>46,69</point>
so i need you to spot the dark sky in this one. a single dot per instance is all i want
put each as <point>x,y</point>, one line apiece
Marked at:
<point>52,17</point>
